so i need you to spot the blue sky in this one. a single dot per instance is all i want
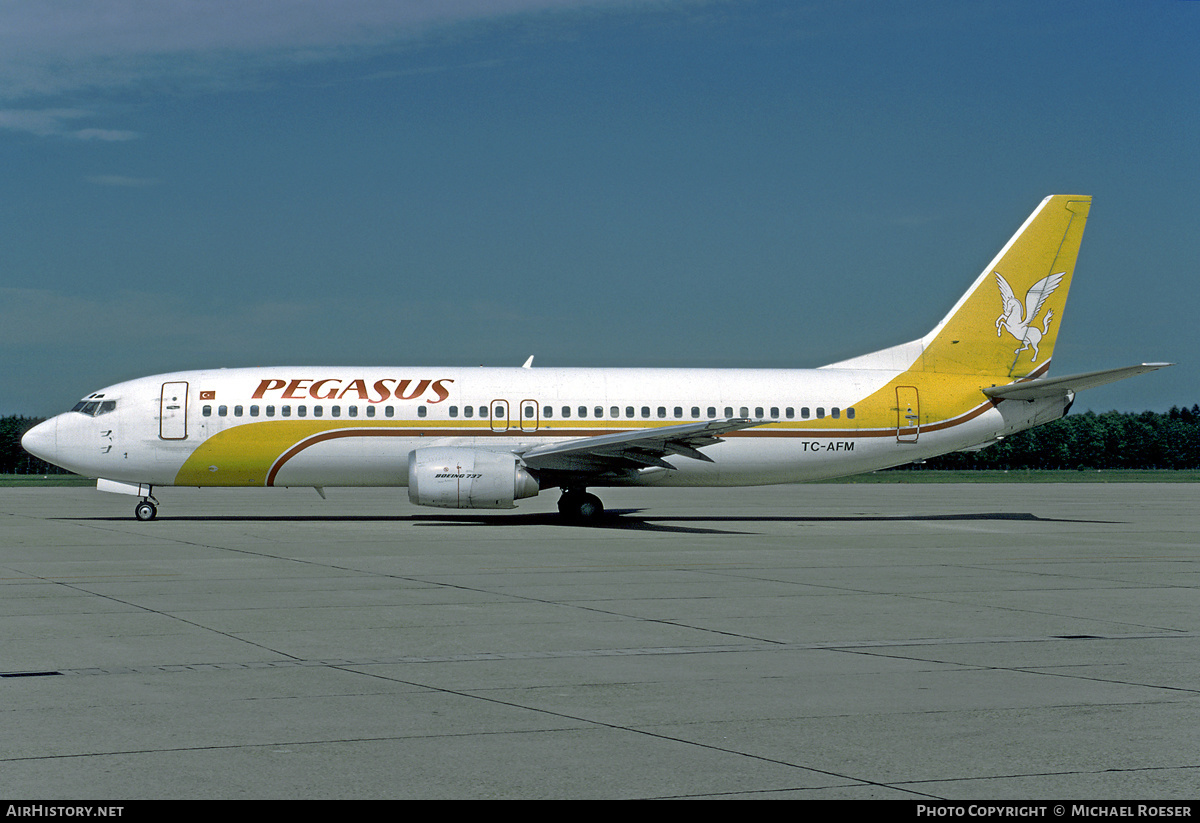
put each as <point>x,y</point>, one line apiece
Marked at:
<point>206,183</point>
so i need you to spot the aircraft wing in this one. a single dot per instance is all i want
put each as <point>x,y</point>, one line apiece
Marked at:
<point>636,449</point>
<point>1058,386</point>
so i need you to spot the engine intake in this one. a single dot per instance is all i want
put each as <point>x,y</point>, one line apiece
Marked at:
<point>461,478</point>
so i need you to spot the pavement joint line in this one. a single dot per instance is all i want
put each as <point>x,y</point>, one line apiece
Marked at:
<point>852,645</point>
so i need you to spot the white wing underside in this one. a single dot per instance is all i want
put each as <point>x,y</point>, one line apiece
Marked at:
<point>641,448</point>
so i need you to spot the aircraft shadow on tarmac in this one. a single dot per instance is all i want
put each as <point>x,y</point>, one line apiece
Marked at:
<point>635,520</point>
<point>613,519</point>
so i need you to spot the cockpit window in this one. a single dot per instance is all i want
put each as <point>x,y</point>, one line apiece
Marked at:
<point>95,408</point>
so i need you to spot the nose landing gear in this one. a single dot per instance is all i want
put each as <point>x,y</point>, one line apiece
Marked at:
<point>147,509</point>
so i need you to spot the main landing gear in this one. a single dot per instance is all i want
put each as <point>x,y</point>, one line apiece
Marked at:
<point>147,509</point>
<point>577,504</point>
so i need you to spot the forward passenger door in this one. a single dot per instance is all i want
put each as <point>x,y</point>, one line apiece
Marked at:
<point>172,411</point>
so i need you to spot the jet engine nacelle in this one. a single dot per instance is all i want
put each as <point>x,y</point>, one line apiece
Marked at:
<point>461,478</point>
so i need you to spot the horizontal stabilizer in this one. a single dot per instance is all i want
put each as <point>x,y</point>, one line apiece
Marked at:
<point>1058,386</point>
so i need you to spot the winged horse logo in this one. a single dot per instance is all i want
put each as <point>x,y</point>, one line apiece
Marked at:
<point>1018,318</point>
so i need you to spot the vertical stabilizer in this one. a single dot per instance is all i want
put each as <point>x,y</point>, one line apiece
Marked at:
<point>1006,325</point>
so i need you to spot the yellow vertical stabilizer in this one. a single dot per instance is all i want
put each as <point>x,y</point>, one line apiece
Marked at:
<point>1004,328</point>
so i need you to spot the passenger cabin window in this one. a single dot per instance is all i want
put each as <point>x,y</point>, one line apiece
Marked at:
<point>422,411</point>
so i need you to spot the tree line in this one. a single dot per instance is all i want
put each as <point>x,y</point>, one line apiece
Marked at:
<point>13,458</point>
<point>1112,440</point>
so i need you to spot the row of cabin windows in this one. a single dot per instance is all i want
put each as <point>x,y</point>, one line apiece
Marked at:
<point>302,411</point>
<point>677,412</point>
<point>529,412</point>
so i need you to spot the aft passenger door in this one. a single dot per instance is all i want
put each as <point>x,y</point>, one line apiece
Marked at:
<point>172,411</point>
<point>908,414</point>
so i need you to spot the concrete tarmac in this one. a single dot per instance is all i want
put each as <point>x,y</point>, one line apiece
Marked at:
<point>963,642</point>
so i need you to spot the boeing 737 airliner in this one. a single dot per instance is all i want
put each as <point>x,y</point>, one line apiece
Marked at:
<point>487,437</point>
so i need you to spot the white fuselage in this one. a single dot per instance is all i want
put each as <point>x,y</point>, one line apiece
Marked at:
<point>324,426</point>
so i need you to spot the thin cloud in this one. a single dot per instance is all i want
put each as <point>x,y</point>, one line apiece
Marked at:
<point>105,135</point>
<point>59,123</point>
<point>42,122</point>
<point>50,47</point>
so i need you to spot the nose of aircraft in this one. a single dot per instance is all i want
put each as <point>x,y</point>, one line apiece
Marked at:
<point>42,440</point>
